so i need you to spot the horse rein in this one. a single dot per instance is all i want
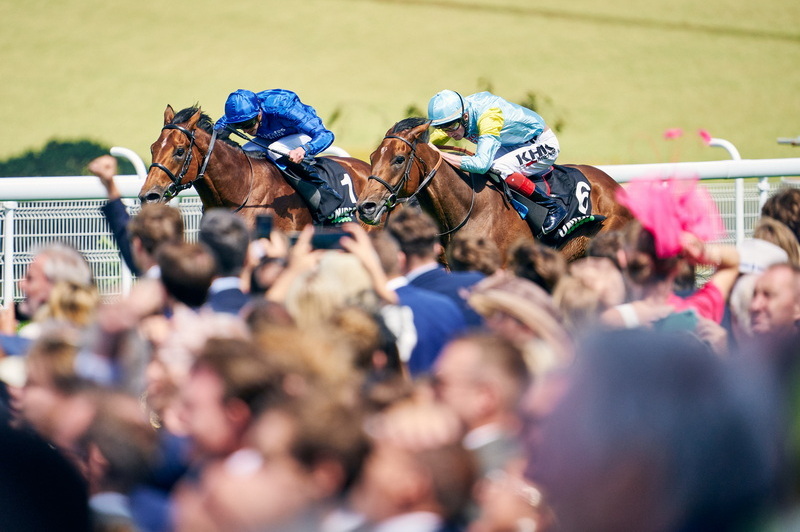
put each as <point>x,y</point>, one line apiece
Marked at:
<point>176,186</point>
<point>392,201</point>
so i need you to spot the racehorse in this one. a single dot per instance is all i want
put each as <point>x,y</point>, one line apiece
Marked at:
<point>224,176</point>
<point>404,166</point>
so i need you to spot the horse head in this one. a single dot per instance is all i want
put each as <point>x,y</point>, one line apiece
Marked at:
<point>175,156</point>
<point>394,175</point>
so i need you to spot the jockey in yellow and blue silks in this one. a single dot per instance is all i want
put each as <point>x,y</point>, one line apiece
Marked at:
<point>511,141</point>
<point>280,120</point>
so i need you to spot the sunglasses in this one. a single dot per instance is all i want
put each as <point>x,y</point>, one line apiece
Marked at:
<point>452,126</point>
<point>247,124</point>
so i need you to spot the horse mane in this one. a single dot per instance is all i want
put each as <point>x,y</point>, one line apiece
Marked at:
<point>205,123</point>
<point>411,123</point>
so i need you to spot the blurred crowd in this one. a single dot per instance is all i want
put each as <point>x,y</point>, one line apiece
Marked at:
<point>264,384</point>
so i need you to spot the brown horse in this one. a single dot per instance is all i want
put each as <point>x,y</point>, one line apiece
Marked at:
<point>405,165</point>
<point>182,157</point>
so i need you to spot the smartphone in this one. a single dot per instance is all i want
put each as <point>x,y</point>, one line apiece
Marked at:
<point>263,226</point>
<point>678,321</point>
<point>327,238</point>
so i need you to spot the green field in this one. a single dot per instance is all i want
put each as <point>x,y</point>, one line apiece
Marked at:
<point>617,73</point>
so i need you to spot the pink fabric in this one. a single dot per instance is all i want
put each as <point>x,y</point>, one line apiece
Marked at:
<point>670,207</point>
<point>707,301</point>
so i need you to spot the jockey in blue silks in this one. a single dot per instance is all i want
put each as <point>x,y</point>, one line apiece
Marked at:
<point>511,141</point>
<point>290,133</point>
<point>280,120</point>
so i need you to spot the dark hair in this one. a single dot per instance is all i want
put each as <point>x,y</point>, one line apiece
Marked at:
<point>156,224</point>
<point>538,263</point>
<point>415,231</point>
<point>784,206</point>
<point>187,270</point>
<point>473,253</point>
<point>228,237</point>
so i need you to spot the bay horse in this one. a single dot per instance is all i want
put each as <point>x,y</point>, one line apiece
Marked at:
<point>224,176</point>
<point>404,165</point>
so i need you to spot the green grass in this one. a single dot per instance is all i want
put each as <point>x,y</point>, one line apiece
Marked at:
<point>618,72</point>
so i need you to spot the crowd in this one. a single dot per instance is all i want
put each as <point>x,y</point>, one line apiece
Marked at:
<point>264,385</point>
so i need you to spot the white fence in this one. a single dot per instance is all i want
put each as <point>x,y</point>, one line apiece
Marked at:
<point>37,210</point>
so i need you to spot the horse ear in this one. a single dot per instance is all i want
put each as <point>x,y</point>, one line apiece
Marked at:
<point>169,114</point>
<point>419,130</point>
<point>192,123</point>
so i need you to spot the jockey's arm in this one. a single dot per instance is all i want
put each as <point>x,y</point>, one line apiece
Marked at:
<point>311,125</point>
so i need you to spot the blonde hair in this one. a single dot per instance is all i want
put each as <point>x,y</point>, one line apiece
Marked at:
<point>778,233</point>
<point>338,281</point>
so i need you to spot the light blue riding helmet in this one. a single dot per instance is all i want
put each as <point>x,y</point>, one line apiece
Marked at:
<point>447,106</point>
<point>242,105</point>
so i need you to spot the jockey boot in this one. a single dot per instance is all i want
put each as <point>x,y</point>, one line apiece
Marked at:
<point>556,212</point>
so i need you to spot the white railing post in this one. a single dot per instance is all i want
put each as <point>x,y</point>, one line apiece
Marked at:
<point>8,252</point>
<point>738,185</point>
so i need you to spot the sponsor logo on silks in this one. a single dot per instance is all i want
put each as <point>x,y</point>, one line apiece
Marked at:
<point>573,224</point>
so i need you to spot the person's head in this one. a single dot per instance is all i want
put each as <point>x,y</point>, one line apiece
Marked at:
<point>446,111</point>
<point>784,206</point>
<point>390,256</point>
<point>218,398</point>
<point>642,265</point>
<point>524,313</point>
<point>119,444</point>
<point>243,111</point>
<point>416,232</point>
<point>228,237</point>
<point>631,412</point>
<point>154,225</point>
<point>532,260</point>
<point>593,285</point>
<point>338,281</point>
<point>469,252</point>
<point>481,376</point>
<point>51,265</point>
<point>775,307</point>
<point>417,464</point>
<point>778,233</point>
<point>608,244</point>
<point>187,270</point>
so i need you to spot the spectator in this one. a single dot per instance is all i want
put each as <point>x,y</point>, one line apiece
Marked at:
<point>627,447</point>
<point>784,206</point>
<point>187,271</point>
<point>778,233</point>
<point>228,238</point>
<point>592,286</point>
<point>482,377</point>
<point>417,234</point>
<point>775,307</point>
<point>473,253</point>
<point>540,264</point>
<point>154,225</point>
<point>436,317</point>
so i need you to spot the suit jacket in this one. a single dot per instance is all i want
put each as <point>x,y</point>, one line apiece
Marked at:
<point>437,319</point>
<point>451,284</point>
<point>117,217</point>
<point>230,301</point>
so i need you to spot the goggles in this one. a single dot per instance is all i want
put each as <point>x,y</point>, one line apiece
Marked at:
<point>450,127</point>
<point>247,124</point>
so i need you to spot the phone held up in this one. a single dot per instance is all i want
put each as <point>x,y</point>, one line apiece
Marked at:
<point>327,238</point>
<point>263,226</point>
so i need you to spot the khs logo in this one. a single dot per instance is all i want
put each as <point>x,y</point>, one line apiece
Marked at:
<point>533,155</point>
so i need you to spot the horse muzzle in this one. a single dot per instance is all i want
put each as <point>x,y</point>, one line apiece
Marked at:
<point>153,195</point>
<point>370,212</point>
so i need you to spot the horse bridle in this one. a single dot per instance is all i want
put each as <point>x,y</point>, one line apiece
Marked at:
<point>176,186</point>
<point>392,201</point>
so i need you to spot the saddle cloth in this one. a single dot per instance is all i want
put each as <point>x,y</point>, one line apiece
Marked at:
<point>574,190</point>
<point>324,185</point>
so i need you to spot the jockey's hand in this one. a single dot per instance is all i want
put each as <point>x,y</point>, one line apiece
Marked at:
<point>297,155</point>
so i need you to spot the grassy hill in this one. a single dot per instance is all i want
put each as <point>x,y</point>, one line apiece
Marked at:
<point>617,73</point>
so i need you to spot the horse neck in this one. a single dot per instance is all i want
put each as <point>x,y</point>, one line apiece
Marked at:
<point>228,175</point>
<point>446,196</point>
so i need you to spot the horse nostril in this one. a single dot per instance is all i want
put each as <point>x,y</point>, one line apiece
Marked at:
<point>152,197</point>
<point>367,207</point>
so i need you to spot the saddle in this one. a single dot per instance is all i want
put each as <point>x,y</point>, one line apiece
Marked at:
<point>572,188</point>
<point>321,183</point>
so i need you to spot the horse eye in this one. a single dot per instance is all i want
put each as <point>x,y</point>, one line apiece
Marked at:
<point>399,159</point>
<point>180,151</point>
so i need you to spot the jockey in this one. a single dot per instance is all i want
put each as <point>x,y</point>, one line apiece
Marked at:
<point>280,120</point>
<point>512,141</point>
<point>284,128</point>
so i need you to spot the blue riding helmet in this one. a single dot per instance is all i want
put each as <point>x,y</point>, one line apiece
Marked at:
<point>447,106</point>
<point>242,105</point>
